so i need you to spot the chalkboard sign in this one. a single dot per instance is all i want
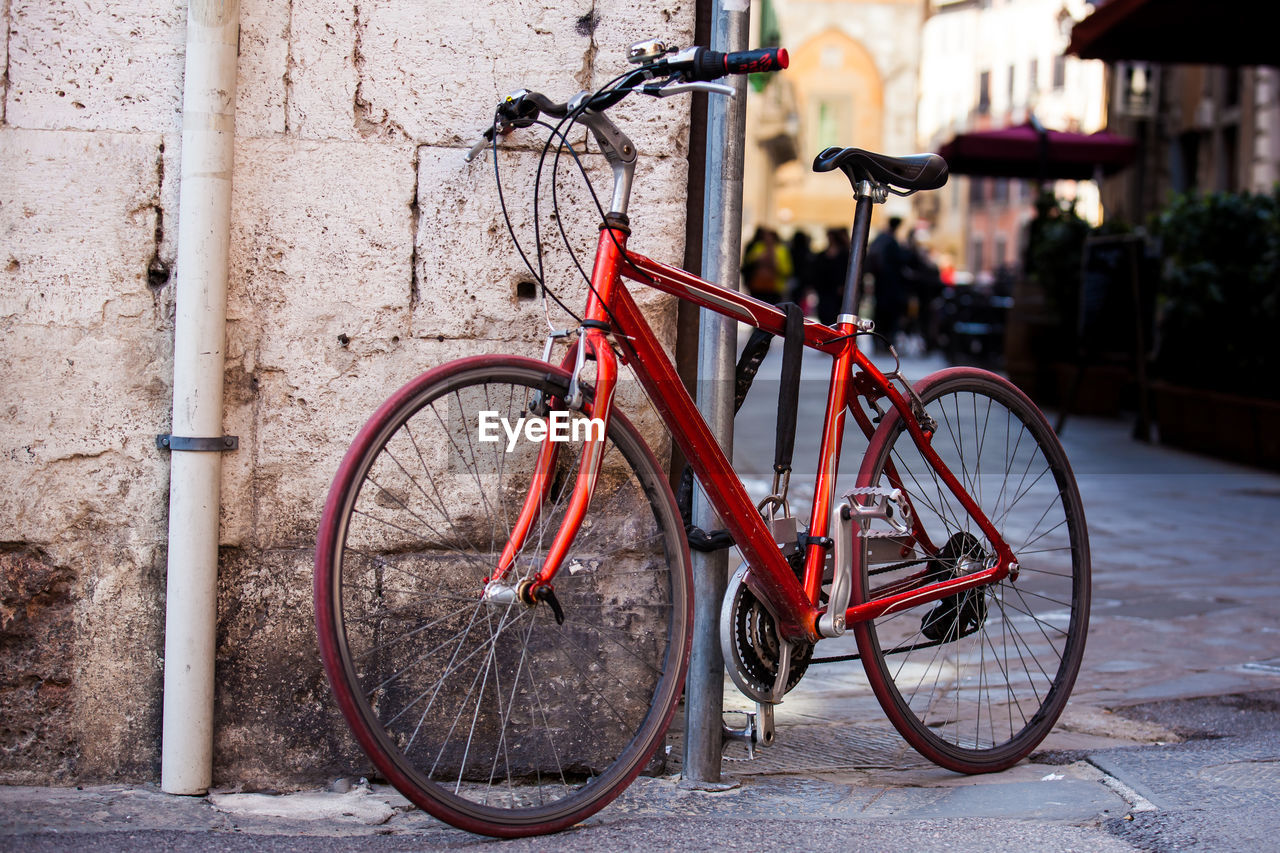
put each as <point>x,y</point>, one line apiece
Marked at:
<point>1110,296</point>
<point>1115,316</point>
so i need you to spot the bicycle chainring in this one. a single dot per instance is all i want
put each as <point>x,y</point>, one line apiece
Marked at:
<point>750,644</point>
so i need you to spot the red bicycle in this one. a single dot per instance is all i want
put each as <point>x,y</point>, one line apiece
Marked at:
<point>502,583</point>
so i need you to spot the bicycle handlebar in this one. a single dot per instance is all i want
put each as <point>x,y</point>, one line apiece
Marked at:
<point>712,64</point>
<point>691,65</point>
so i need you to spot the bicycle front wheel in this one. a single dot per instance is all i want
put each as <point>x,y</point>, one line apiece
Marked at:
<point>496,717</point>
<point>975,681</point>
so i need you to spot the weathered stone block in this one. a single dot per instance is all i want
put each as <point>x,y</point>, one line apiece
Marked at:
<point>659,127</point>
<point>377,72</point>
<point>78,437</point>
<point>439,84</point>
<point>322,70</point>
<point>118,667</point>
<point>262,84</point>
<point>75,247</point>
<point>305,421</point>
<point>322,241</point>
<point>37,629</point>
<point>321,276</point>
<point>76,64</point>
<point>277,718</point>
<point>460,216</point>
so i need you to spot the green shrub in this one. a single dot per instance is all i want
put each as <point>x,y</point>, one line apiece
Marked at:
<point>1055,248</point>
<point>1219,298</point>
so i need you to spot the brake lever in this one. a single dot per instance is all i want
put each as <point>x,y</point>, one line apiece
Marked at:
<point>668,89</point>
<point>485,141</point>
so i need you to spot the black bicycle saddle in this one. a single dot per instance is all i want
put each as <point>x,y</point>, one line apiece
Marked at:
<point>913,172</point>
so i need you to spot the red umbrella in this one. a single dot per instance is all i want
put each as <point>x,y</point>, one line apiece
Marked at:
<point>1027,152</point>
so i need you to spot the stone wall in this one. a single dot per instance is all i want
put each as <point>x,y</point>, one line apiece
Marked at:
<point>364,250</point>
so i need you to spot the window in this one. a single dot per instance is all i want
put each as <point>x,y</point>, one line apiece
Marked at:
<point>1033,77</point>
<point>1002,247</point>
<point>1231,87</point>
<point>770,33</point>
<point>1059,73</point>
<point>977,191</point>
<point>1012,73</point>
<point>1227,163</point>
<point>831,122</point>
<point>1000,191</point>
<point>984,92</point>
<point>1186,162</point>
<point>975,255</point>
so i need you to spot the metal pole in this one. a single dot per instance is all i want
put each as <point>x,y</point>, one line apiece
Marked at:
<point>717,347</point>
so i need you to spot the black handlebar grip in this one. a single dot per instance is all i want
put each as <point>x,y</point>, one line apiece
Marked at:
<point>712,64</point>
<point>757,61</point>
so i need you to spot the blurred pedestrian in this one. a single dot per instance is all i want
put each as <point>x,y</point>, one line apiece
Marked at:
<point>886,259</point>
<point>924,286</point>
<point>766,266</point>
<point>800,287</point>
<point>829,271</point>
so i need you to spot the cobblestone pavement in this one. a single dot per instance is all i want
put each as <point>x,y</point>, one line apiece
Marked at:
<point>1171,740</point>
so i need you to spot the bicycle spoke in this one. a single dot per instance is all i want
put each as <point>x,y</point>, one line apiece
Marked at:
<point>989,687</point>
<point>495,704</point>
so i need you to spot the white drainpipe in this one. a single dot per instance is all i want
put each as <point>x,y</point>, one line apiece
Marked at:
<point>204,244</point>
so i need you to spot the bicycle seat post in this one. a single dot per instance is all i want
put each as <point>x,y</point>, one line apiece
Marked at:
<point>868,193</point>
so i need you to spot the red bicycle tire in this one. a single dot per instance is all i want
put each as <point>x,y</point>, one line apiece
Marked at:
<point>331,630</point>
<point>921,719</point>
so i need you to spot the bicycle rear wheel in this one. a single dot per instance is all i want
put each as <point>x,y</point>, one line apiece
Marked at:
<point>495,717</point>
<point>974,682</point>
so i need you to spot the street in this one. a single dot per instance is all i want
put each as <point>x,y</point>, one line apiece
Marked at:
<point>1171,740</point>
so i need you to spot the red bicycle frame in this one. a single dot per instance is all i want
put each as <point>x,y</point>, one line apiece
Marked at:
<point>794,604</point>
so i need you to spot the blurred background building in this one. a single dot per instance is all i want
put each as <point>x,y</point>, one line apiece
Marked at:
<point>901,76</point>
<point>990,64</point>
<point>853,82</point>
<point>1200,92</point>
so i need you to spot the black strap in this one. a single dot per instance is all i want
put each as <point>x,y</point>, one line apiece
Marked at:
<point>748,366</point>
<point>789,388</point>
<point>788,406</point>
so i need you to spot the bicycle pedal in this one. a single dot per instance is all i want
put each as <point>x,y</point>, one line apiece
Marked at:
<point>746,735</point>
<point>880,534</point>
<point>887,504</point>
<point>758,731</point>
<point>764,723</point>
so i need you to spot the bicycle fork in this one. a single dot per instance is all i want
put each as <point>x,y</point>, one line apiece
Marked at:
<point>502,588</point>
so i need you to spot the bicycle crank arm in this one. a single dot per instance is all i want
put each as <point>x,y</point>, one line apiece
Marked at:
<point>887,505</point>
<point>831,623</point>
<point>764,723</point>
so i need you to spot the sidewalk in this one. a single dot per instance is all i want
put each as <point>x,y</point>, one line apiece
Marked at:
<point>1171,740</point>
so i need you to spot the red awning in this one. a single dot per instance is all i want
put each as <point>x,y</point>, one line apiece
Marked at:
<point>1022,152</point>
<point>1223,32</point>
